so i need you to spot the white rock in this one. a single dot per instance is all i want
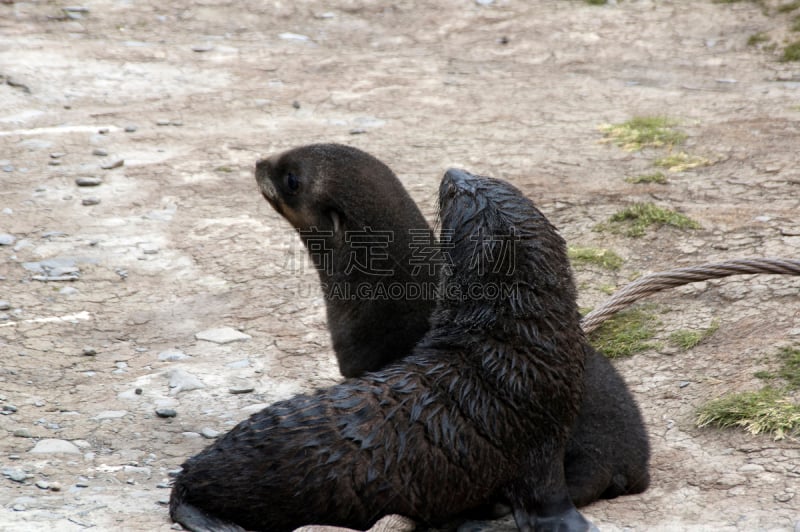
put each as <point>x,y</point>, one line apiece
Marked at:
<point>111,414</point>
<point>52,446</point>
<point>172,355</point>
<point>222,335</point>
<point>183,381</point>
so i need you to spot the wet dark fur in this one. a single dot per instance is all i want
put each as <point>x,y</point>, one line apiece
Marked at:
<point>340,192</point>
<point>608,452</point>
<point>480,409</point>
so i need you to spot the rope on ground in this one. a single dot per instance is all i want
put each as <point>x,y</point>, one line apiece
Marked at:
<point>658,281</point>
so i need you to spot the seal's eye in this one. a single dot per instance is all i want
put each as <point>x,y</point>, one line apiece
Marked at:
<point>292,182</point>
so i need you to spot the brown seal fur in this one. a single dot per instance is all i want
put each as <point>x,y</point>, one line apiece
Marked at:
<point>481,408</point>
<point>346,205</point>
<point>608,453</point>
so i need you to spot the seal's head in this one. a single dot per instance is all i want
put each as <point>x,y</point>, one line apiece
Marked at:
<point>328,187</point>
<point>503,249</point>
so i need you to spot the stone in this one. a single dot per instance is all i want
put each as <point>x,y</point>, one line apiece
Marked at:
<point>113,163</point>
<point>111,414</point>
<point>15,475</point>
<point>209,433</point>
<point>172,355</point>
<point>88,181</point>
<point>100,152</point>
<point>166,412</point>
<point>53,446</point>
<point>88,202</point>
<point>89,351</point>
<point>222,335</point>
<point>4,305</point>
<point>23,433</point>
<point>182,381</point>
<point>6,239</point>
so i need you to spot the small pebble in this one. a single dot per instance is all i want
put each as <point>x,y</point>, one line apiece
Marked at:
<point>171,355</point>
<point>6,239</point>
<point>241,389</point>
<point>9,408</point>
<point>43,484</point>
<point>82,484</point>
<point>90,201</point>
<point>17,476</point>
<point>88,181</point>
<point>130,128</point>
<point>103,131</point>
<point>89,351</point>
<point>54,162</point>
<point>76,9</point>
<point>100,152</point>
<point>23,433</point>
<point>114,163</point>
<point>57,155</point>
<point>4,305</point>
<point>296,104</point>
<point>55,486</point>
<point>201,48</point>
<point>209,433</point>
<point>166,412</point>
<point>138,391</point>
<point>683,384</point>
<point>162,122</point>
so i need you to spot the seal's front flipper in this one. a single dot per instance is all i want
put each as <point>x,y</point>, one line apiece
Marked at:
<point>569,520</point>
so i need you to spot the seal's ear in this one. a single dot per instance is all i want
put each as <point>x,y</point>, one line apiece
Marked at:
<point>335,221</point>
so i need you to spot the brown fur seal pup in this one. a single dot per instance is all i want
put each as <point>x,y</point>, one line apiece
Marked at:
<point>481,408</point>
<point>608,452</point>
<point>346,204</point>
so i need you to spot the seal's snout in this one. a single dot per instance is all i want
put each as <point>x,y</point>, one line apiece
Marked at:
<point>262,169</point>
<point>459,179</point>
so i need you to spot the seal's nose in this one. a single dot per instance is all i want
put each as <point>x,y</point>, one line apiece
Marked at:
<point>460,179</point>
<point>262,169</point>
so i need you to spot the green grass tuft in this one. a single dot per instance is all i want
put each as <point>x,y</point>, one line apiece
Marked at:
<point>791,52</point>
<point>681,161</point>
<point>634,220</point>
<point>791,6</point>
<point>686,339</point>
<point>625,334</point>
<point>765,411</point>
<point>644,131</point>
<point>757,38</point>
<point>657,177</point>
<point>605,258</point>
<point>790,370</point>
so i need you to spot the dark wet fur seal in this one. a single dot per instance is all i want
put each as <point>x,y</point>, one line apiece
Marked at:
<point>346,205</point>
<point>481,408</point>
<point>608,453</point>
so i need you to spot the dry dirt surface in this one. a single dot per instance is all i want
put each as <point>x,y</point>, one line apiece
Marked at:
<point>176,240</point>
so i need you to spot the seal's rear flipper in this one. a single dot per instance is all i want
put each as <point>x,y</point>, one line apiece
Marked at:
<point>196,520</point>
